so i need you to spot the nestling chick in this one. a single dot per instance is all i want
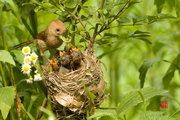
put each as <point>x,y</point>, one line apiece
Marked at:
<point>54,65</point>
<point>76,57</point>
<point>48,39</point>
<point>65,59</point>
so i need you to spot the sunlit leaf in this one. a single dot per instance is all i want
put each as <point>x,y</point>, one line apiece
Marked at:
<point>100,114</point>
<point>154,116</point>
<point>5,56</point>
<point>7,95</point>
<point>70,3</point>
<point>19,56</point>
<point>133,98</point>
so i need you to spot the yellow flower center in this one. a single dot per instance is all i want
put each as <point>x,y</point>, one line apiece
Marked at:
<point>33,57</point>
<point>26,68</point>
<point>27,60</point>
<point>26,50</point>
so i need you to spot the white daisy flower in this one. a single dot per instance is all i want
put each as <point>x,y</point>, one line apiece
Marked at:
<point>34,57</point>
<point>37,78</point>
<point>26,68</point>
<point>26,50</point>
<point>27,59</point>
<point>51,118</point>
<point>29,81</point>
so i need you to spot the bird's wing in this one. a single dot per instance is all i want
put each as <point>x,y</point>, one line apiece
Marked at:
<point>41,36</point>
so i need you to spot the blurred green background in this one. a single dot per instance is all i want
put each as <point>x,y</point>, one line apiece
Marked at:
<point>121,51</point>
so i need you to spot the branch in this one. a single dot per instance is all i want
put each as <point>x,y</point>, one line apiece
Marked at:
<point>104,27</point>
<point>79,19</point>
<point>120,12</point>
<point>96,28</point>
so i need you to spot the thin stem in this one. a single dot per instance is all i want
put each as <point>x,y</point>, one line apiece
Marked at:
<point>3,75</point>
<point>104,27</point>
<point>10,71</point>
<point>4,44</point>
<point>120,12</point>
<point>73,29</point>
<point>78,18</point>
<point>96,28</point>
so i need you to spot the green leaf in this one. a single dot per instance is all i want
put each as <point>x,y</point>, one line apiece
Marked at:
<point>140,32</point>
<point>110,35</point>
<point>28,114</point>
<point>19,56</point>
<point>123,20</point>
<point>7,95</point>
<point>141,35</point>
<point>132,3</point>
<point>144,68</point>
<point>177,9</point>
<point>175,115</point>
<point>165,16</point>
<point>25,9</point>
<point>133,98</point>
<point>153,116</point>
<point>145,40</point>
<point>159,4</point>
<point>104,114</point>
<point>91,95</point>
<point>5,56</point>
<point>154,104</point>
<point>70,3</point>
<point>170,72</point>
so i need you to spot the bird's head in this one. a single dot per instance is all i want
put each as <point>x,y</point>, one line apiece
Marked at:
<point>56,28</point>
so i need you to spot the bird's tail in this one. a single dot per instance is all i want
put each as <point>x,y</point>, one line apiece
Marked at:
<point>23,44</point>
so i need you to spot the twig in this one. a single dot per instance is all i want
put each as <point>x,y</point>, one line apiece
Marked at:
<point>78,18</point>
<point>104,27</point>
<point>120,12</point>
<point>96,28</point>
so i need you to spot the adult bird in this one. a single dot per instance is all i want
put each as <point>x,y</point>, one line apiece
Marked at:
<point>49,38</point>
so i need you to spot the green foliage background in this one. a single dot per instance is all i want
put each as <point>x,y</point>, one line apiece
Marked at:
<point>139,54</point>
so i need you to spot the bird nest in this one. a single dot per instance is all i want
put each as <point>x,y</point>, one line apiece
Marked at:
<point>67,86</point>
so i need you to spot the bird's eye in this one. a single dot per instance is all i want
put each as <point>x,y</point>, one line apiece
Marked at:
<point>57,30</point>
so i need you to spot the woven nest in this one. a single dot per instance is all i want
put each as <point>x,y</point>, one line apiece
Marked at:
<point>66,90</point>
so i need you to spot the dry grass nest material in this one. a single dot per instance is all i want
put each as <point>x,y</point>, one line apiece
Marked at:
<point>66,89</point>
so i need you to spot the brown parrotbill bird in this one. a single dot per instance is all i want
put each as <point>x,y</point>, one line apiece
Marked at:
<point>48,39</point>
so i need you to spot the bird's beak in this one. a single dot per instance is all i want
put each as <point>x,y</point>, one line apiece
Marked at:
<point>66,40</point>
